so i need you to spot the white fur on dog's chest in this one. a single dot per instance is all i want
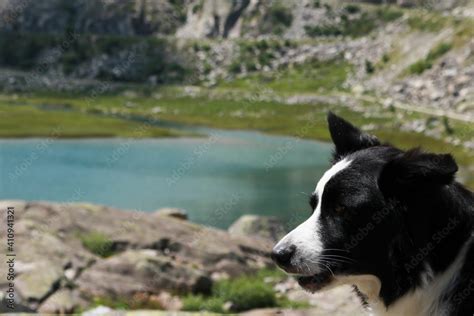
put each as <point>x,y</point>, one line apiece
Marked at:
<point>412,304</point>
<point>426,300</point>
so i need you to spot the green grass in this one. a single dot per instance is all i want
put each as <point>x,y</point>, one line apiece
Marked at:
<point>202,303</point>
<point>31,121</point>
<point>234,106</point>
<point>420,66</point>
<point>312,76</point>
<point>243,293</point>
<point>427,21</point>
<point>435,22</point>
<point>97,243</point>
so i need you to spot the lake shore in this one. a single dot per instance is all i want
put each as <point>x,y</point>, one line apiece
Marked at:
<point>143,114</point>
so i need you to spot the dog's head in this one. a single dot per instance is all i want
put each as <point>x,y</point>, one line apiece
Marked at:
<point>355,208</point>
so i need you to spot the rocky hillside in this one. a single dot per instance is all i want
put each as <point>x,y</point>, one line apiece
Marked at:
<point>412,54</point>
<point>181,18</point>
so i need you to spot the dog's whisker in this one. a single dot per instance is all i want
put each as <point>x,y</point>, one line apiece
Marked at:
<point>336,249</point>
<point>327,267</point>
<point>307,267</point>
<point>338,257</point>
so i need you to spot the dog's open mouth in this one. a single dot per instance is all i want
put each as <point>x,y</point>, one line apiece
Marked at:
<point>315,282</point>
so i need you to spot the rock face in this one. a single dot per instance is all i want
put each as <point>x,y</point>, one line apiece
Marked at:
<point>265,227</point>
<point>68,254</point>
<point>213,18</point>
<point>137,17</point>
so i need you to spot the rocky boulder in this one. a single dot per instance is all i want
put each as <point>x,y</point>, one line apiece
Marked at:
<point>145,270</point>
<point>264,227</point>
<point>173,212</point>
<point>69,254</point>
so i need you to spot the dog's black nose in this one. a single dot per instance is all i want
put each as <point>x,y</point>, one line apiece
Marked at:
<point>282,255</point>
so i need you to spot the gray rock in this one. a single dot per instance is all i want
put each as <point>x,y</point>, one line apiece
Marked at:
<point>35,286</point>
<point>64,301</point>
<point>148,253</point>
<point>173,212</point>
<point>269,228</point>
<point>136,271</point>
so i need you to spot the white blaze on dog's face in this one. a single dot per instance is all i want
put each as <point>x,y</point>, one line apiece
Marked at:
<point>306,238</point>
<point>345,199</point>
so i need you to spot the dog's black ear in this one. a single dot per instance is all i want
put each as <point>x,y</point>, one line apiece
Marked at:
<point>347,137</point>
<point>414,170</point>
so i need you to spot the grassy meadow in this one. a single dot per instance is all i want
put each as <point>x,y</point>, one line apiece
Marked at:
<point>108,117</point>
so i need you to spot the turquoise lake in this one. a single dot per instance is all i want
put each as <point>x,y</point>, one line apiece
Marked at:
<point>216,179</point>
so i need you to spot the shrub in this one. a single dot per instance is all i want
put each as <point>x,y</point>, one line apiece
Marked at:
<point>352,8</point>
<point>360,25</point>
<point>97,243</point>
<point>419,67</point>
<point>197,7</point>
<point>447,126</point>
<point>235,67</point>
<point>277,19</point>
<point>279,14</point>
<point>388,14</point>
<point>369,67</point>
<point>245,293</point>
<point>426,63</point>
<point>439,51</point>
<point>324,30</point>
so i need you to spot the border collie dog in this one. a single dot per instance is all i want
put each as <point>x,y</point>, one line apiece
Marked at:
<point>392,223</point>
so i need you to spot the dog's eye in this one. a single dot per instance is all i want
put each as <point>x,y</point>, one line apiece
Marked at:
<point>340,208</point>
<point>313,201</point>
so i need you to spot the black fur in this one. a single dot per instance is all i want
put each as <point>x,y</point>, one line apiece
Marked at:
<point>402,211</point>
<point>348,138</point>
